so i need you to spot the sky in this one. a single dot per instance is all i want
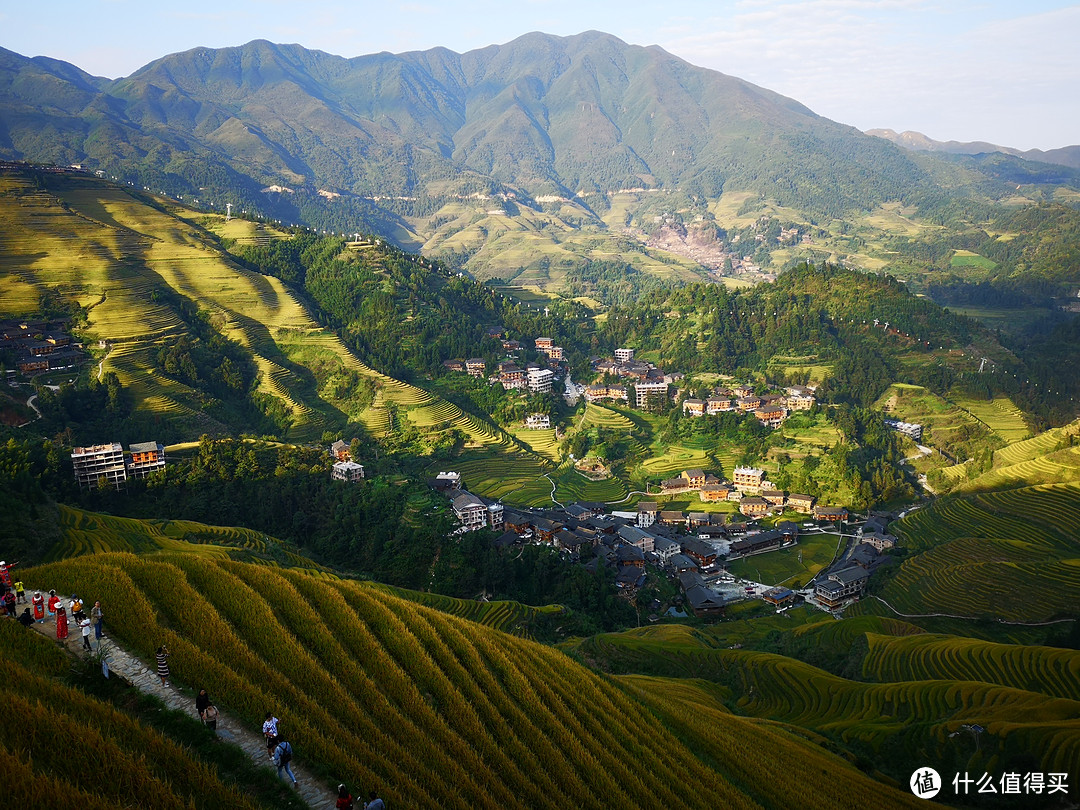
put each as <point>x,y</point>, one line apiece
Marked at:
<point>1001,71</point>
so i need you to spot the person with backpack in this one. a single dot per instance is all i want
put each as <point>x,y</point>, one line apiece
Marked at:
<point>376,803</point>
<point>282,758</point>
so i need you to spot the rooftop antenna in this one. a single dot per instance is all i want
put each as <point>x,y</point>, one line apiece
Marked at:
<point>228,211</point>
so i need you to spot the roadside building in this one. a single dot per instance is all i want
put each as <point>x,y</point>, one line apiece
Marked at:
<point>347,471</point>
<point>539,380</point>
<point>146,457</point>
<point>538,421</point>
<point>470,511</point>
<point>830,513</point>
<point>624,355</point>
<point>841,586</point>
<point>99,464</point>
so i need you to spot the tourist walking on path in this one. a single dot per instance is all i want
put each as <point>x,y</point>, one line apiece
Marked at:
<point>39,606</point>
<point>374,803</point>
<point>52,604</point>
<point>162,656</point>
<point>85,625</point>
<point>98,615</point>
<point>20,593</point>
<point>282,758</point>
<point>61,622</point>
<point>202,701</point>
<point>344,799</point>
<point>270,731</point>
<point>210,717</point>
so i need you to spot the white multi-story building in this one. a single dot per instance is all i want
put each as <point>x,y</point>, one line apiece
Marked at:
<point>470,511</point>
<point>99,462</point>
<point>540,380</point>
<point>538,421</point>
<point>347,471</point>
<point>624,355</point>
<point>649,393</point>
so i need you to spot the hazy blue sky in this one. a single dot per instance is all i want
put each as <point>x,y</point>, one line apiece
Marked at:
<point>993,70</point>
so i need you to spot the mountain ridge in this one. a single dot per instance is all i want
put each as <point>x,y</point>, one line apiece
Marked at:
<point>917,141</point>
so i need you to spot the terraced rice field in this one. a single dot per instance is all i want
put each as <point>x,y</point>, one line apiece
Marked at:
<point>909,717</point>
<point>678,458</point>
<point>495,473</point>
<point>1036,447</point>
<point>91,533</point>
<point>1052,671</point>
<point>506,616</point>
<point>113,252</point>
<point>435,710</point>
<point>1001,416</point>
<point>1009,554</point>
<point>573,486</point>
<point>541,442</point>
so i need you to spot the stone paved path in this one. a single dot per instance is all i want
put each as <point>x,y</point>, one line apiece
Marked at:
<point>129,668</point>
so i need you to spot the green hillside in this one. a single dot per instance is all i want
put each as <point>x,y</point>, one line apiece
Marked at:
<point>1008,555</point>
<point>916,690</point>
<point>150,281</point>
<point>122,763</point>
<point>434,710</point>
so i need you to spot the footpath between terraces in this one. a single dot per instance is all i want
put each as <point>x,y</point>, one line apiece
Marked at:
<point>132,670</point>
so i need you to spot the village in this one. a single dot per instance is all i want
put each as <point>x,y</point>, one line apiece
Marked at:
<point>691,549</point>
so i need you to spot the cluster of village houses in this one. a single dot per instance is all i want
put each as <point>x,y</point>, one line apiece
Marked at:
<point>691,546</point>
<point>40,346</point>
<point>651,385</point>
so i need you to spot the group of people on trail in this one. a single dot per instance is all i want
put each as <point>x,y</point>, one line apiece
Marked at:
<point>51,609</point>
<point>278,749</point>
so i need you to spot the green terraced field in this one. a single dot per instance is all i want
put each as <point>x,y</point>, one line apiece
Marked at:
<point>112,251</point>
<point>1009,554</point>
<point>1040,445</point>
<point>83,533</point>
<point>1050,670</point>
<point>898,722</point>
<point>435,710</point>
<point>1000,415</point>
<point>506,616</point>
<point>573,486</point>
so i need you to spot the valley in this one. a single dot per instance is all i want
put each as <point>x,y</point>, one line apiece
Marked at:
<point>551,424</point>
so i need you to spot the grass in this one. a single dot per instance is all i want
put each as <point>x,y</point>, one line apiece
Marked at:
<point>784,567</point>
<point>965,258</point>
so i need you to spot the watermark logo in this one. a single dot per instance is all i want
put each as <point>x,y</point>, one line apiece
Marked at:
<point>925,783</point>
